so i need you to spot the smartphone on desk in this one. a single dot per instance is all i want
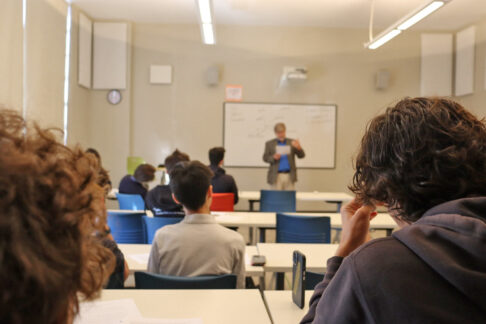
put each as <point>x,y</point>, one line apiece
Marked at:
<point>258,260</point>
<point>298,279</point>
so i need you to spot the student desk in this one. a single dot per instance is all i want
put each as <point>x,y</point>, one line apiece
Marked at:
<point>237,306</point>
<point>329,197</point>
<point>136,256</point>
<point>264,220</point>
<point>281,307</point>
<point>280,257</point>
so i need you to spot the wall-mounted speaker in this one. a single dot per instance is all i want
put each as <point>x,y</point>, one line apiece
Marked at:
<point>213,74</point>
<point>382,80</point>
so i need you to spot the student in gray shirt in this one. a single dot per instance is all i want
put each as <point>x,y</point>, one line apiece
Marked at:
<point>198,245</point>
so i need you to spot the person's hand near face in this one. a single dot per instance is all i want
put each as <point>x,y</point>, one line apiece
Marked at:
<point>296,144</point>
<point>356,224</point>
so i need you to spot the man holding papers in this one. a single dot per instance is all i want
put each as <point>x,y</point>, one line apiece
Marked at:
<point>280,153</point>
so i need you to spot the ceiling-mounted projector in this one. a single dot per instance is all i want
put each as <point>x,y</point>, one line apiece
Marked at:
<point>292,73</point>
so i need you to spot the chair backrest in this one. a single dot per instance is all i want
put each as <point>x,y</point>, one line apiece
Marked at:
<point>144,280</point>
<point>223,202</point>
<point>127,227</point>
<point>277,201</point>
<point>133,162</point>
<point>312,279</point>
<point>303,229</point>
<point>130,202</point>
<point>152,224</point>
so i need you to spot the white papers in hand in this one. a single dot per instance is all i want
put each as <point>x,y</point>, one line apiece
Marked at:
<point>121,311</point>
<point>140,258</point>
<point>283,149</point>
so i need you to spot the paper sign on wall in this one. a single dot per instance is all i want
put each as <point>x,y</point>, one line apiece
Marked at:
<point>234,92</point>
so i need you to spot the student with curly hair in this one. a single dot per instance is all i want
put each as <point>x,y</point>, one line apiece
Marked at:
<point>50,208</point>
<point>424,159</point>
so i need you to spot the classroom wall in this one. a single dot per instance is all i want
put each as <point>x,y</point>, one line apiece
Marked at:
<point>45,48</point>
<point>188,114</point>
<point>476,102</point>
<point>110,125</point>
<point>11,54</point>
<point>79,97</point>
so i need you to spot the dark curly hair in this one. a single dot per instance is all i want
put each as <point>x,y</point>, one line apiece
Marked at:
<point>420,153</point>
<point>50,207</point>
<point>176,157</point>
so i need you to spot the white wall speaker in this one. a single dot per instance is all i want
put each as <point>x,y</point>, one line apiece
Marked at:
<point>382,80</point>
<point>160,74</point>
<point>213,74</point>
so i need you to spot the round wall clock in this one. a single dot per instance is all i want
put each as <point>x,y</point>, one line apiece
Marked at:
<point>114,97</point>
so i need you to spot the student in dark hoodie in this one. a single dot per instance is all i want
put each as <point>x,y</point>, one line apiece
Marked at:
<point>425,159</point>
<point>159,200</point>
<point>221,182</point>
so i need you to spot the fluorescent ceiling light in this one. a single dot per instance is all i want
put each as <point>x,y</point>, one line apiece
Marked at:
<point>205,11</point>
<point>208,34</point>
<point>383,39</point>
<point>404,23</point>
<point>421,15</point>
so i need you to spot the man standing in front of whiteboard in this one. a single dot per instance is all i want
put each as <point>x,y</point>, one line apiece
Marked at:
<point>280,152</point>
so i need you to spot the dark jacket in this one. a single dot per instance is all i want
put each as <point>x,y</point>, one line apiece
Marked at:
<point>433,271</point>
<point>159,201</point>
<point>222,182</point>
<point>270,149</point>
<point>128,185</point>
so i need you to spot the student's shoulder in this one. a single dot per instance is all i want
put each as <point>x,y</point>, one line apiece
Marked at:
<point>379,253</point>
<point>231,236</point>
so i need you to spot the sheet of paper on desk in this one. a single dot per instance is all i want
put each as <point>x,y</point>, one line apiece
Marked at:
<point>168,321</point>
<point>121,311</point>
<point>283,149</point>
<point>140,258</point>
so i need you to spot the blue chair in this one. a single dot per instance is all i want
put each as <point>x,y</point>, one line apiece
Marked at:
<point>144,280</point>
<point>312,279</point>
<point>277,201</point>
<point>130,202</point>
<point>152,224</point>
<point>303,229</point>
<point>127,227</point>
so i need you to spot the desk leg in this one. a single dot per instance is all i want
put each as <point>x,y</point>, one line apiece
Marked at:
<point>389,231</point>
<point>339,206</point>
<point>262,234</point>
<point>251,202</point>
<point>280,282</point>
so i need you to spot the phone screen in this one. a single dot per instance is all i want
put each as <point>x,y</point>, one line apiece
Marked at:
<point>298,279</point>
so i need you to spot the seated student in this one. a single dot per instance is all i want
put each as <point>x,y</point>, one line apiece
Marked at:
<point>159,199</point>
<point>138,183</point>
<point>198,245</point>
<point>50,207</point>
<point>425,159</point>
<point>221,182</point>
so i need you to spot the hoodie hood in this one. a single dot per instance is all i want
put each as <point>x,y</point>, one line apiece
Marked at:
<point>451,239</point>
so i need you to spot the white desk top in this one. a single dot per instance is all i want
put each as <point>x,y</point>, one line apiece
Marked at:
<point>141,251</point>
<point>304,196</point>
<point>279,255</point>
<point>259,219</point>
<point>213,306</point>
<point>282,308</point>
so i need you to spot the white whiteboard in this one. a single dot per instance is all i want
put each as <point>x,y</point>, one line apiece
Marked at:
<point>436,65</point>
<point>247,126</point>
<point>110,55</point>
<point>465,41</point>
